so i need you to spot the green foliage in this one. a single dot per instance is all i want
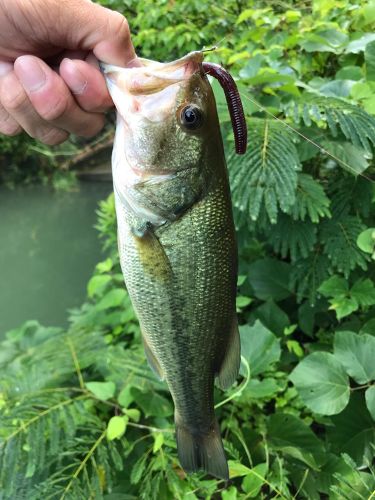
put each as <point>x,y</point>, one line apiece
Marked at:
<point>81,414</point>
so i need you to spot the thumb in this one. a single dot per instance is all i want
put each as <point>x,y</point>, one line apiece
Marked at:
<point>95,28</point>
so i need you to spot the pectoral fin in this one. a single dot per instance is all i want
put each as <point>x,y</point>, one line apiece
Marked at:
<point>231,363</point>
<point>151,253</point>
<point>152,360</point>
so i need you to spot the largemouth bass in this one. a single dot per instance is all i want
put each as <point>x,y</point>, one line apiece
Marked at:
<point>177,241</point>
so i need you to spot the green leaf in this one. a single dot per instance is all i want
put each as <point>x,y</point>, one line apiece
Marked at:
<point>114,298</point>
<point>370,61</point>
<point>329,40</point>
<point>357,354</point>
<point>97,284</point>
<point>269,279</point>
<point>354,160</point>
<point>229,493</point>
<point>349,73</point>
<point>291,237</point>
<point>335,285</point>
<point>322,383</point>
<point>361,90</point>
<point>353,431</point>
<point>370,400</point>
<point>236,469</point>
<point>339,236</point>
<point>290,435</point>
<point>343,306</point>
<point>363,291</point>
<point>308,274</point>
<point>158,442</point>
<point>267,174</point>
<point>116,427</point>
<point>272,317</point>
<point>102,390</point>
<point>242,301</point>
<point>360,44</point>
<point>366,240</point>
<point>311,200</point>
<point>259,346</point>
<point>254,480</point>
<point>152,403</point>
<point>259,389</point>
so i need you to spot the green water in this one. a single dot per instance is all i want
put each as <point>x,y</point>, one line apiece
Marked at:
<point>48,250</point>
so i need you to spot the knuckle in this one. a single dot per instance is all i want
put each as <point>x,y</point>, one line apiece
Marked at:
<point>123,29</point>
<point>10,128</point>
<point>14,100</point>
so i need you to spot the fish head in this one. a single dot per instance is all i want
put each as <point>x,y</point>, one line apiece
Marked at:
<point>163,115</point>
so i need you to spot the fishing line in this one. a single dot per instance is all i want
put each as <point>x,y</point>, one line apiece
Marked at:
<point>315,144</point>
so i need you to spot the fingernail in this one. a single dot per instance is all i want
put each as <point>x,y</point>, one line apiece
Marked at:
<point>30,73</point>
<point>75,79</point>
<point>5,68</point>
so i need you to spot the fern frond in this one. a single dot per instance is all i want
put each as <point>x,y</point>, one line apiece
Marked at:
<point>308,274</point>
<point>291,237</point>
<point>355,124</point>
<point>267,173</point>
<point>311,200</point>
<point>345,192</point>
<point>339,236</point>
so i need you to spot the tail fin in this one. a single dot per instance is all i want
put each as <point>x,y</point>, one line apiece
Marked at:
<point>198,451</point>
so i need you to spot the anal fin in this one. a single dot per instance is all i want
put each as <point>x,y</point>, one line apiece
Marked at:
<point>230,365</point>
<point>152,359</point>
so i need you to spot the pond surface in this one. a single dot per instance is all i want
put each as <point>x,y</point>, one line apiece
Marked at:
<point>48,250</point>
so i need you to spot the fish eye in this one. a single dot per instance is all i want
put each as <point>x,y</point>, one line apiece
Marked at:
<point>191,117</point>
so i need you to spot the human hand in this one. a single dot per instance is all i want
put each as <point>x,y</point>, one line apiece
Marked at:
<point>50,84</point>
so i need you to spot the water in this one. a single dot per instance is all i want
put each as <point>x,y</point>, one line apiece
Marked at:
<point>48,250</point>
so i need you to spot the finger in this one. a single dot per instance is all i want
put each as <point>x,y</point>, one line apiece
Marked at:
<point>87,84</point>
<point>18,106</point>
<point>52,100</point>
<point>8,125</point>
<point>90,26</point>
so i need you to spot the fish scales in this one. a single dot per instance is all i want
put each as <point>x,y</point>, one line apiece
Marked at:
<point>177,246</point>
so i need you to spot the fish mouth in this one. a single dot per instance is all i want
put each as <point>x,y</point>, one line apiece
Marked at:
<point>152,76</point>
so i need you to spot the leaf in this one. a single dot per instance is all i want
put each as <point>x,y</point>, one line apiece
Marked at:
<point>269,279</point>
<point>259,346</point>
<point>339,236</point>
<point>97,284</point>
<point>138,469</point>
<point>116,427</point>
<point>366,240</point>
<point>267,174</point>
<point>289,236</point>
<point>363,291</point>
<point>353,431</point>
<point>335,285</point>
<point>307,275</point>
<point>311,200</point>
<point>370,400</point>
<point>370,61</point>
<point>114,298</point>
<point>152,403</point>
<point>236,469</point>
<point>254,480</point>
<point>272,317</point>
<point>337,88</point>
<point>349,73</point>
<point>354,160</point>
<point>102,390</point>
<point>158,442</point>
<point>329,40</point>
<point>360,44</point>
<point>357,354</point>
<point>290,435</point>
<point>259,389</point>
<point>322,383</point>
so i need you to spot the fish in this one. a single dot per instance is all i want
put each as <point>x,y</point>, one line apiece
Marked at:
<point>176,238</point>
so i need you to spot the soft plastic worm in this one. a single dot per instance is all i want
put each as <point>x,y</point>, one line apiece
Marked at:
<point>234,104</point>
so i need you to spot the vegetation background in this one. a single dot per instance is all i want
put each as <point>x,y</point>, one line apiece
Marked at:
<point>82,416</point>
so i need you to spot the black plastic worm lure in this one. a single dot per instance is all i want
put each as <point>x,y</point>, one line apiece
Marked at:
<point>234,104</point>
